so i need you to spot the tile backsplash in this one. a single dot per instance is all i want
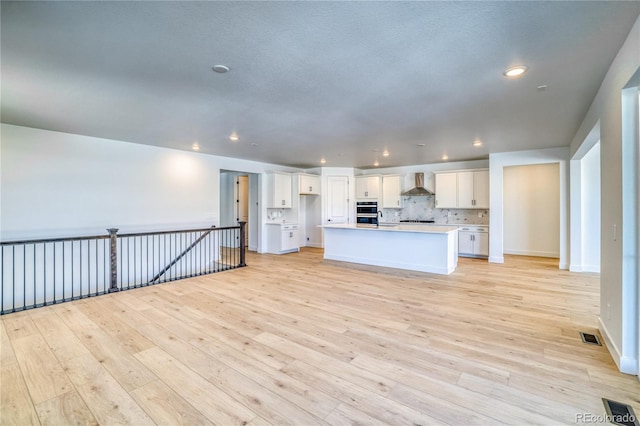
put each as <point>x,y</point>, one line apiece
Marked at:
<point>422,208</point>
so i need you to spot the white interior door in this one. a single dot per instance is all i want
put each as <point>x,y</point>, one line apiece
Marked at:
<point>337,199</point>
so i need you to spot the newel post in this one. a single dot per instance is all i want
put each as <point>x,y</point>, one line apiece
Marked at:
<point>113,259</point>
<point>242,246</point>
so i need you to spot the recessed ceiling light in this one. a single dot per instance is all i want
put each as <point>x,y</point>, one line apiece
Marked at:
<point>195,147</point>
<point>220,68</point>
<point>477,143</point>
<point>322,161</point>
<point>376,164</point>
<point>385,153</point>
<point>254,144</point>
<point>234,136</point>
<point>542,88</point>
<point>445,157</point>
<point>420,144</point>
<point>515,71</point>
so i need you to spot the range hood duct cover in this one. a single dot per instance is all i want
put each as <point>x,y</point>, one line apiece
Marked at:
<point>419,190</point>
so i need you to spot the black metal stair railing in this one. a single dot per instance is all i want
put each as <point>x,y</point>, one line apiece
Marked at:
<point>41,272</point>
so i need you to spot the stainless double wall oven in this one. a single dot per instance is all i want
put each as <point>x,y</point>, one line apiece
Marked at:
<point>367,213</point>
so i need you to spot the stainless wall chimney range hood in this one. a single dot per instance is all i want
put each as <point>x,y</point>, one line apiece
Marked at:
<point>419,190</point>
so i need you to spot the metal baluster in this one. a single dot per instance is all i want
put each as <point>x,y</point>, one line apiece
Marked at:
<point>134,262</point>
<point>45,275</point>
<point>97,270</point>
<point>54,272</point>
<point>13,277</point>
<point>24,276</point>
<point>73,270</point>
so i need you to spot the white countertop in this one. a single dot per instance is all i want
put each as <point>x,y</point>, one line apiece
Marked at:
<point>430,224</point>
<point>416,228</point>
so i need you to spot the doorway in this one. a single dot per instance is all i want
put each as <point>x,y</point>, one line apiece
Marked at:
<point>532,210</point>
<point>240,201</point>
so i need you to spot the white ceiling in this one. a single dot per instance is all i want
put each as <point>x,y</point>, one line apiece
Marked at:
<point>311,79</point>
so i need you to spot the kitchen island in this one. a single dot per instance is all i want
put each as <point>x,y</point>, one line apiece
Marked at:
<point>424,248</point>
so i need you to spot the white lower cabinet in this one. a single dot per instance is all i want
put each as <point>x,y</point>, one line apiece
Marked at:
<point>473,241</point>
<point>282,238</point>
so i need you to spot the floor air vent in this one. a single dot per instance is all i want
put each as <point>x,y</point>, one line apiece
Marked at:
<point>620,414</point>
<point>591,339</point>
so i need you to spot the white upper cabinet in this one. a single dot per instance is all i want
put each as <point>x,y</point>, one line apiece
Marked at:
<point>446,190</point>
<point>481,189</point>
<point>367,187</point>
<point>308,184</point>
<point>391,190</point>
<point>279,187</point>
<point>467,189</point>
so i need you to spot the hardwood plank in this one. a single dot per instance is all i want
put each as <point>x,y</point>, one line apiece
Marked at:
<point>368,402</point>
<point>108,401</point>
<point>6,350</point>
<point>19,325</point>
<point>44,376</point>
<point>166,407</point>
<point>63,342</point>
<point>68,408</point>
<point>108,351</point>
<point>15,401</point>
<point>203,395</point>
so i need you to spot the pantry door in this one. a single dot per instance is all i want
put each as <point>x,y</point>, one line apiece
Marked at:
<point>337,199</point>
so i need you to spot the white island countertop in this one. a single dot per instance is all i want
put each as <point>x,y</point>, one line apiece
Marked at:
<point>422,228</point>
<point>424,248</point>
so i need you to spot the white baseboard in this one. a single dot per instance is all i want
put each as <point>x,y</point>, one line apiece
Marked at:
<point>591,268</point>
<point>496,259</point>
<point>533,253</point>
<point>585,268</point>
<point>625,364</point>
<point>316,245</point>
<point>563,266</point>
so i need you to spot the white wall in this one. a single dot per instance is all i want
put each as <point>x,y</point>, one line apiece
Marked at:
<point>60,184</point>
<point>590,209</point>
<point>619,298</point>
<point>532,210</point>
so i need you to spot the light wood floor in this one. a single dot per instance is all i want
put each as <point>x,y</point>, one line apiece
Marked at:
<point>297,340</point>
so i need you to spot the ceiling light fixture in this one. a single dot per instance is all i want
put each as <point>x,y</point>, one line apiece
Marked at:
<point>195,147</point>
<point>445,157</point>
<point>477,143</point>
<point>420,144</point>
<point>376,164</point>
<point>221,69</point>
<point>385,153</point>
<point>322,161</point>
<point>516,71</point>
<point>234,136</point>
<point>254,144</point>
